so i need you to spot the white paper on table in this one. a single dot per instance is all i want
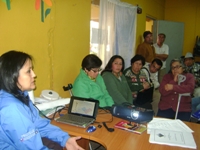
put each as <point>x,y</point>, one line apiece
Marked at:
<point>172,138</point>
<point>167,124</point>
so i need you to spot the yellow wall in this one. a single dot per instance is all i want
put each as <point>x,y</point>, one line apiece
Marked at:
<point>152,8</point>
<point>58,44</point>
<point>149,25</point>
<point>187,11</point>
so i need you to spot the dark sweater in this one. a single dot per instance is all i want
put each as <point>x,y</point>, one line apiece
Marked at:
<point>118,89</point>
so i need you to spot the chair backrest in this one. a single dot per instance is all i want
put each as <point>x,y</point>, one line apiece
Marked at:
<point>68,88</point>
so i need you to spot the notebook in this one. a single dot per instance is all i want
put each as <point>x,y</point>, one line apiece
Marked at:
<point>81,112</point>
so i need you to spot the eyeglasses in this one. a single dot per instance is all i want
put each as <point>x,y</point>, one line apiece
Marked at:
<point>96,70</point>
<point>175,67</point>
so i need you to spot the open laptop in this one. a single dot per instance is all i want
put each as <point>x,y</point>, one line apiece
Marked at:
<point>81,112</point>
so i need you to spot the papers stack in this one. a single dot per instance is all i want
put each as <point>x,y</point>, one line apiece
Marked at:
<point>170,132</point>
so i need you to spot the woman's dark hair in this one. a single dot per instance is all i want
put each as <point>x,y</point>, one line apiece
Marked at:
<point>91,61</point>
<point>110,62</point>
<point>138,57</point>
<point>10,64</point>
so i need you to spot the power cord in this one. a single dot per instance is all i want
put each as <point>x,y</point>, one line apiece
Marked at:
<point>58,109</point>
<point>105,111</point>
<point>108,129</point>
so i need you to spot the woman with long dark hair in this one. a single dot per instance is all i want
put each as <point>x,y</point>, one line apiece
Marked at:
<point>21,127</point>
<point>115,81</point>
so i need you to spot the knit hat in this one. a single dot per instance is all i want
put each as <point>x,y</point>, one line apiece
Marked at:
<point>146,33</point>
<point>189,55</point>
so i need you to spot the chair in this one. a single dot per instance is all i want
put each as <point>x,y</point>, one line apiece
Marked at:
<point>196,51</point>
<point>68,88</point>
<point>181,78</point>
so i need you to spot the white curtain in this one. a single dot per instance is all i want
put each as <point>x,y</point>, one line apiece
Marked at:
<point>117,30</point>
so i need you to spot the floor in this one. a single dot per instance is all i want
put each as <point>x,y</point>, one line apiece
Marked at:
<point>156,100</point>
<point>96,146</point>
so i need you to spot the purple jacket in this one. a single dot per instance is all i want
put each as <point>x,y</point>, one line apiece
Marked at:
<point>169,99</point>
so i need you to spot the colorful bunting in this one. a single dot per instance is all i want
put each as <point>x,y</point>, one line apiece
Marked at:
<point>39,4</point>
<point>7,3</point>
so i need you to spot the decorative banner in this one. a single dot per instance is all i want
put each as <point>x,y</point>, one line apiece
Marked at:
<point>7,3</point>
<point>47,12</point>
<point>40,4</point>
<point>48,2</point>
<point>37,4</point>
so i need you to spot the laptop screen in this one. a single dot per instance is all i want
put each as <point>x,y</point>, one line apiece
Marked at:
<point>83,107</point>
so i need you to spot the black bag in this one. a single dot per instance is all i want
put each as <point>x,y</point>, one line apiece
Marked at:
<point>196,51</point>
<point>145,96</point>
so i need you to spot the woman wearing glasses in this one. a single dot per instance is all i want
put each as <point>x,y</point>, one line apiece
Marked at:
<point>115,81</point>
<point>89,84</point>
<point>176,82</point>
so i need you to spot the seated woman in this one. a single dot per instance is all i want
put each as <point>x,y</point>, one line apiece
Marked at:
<point>89,84</point>
<point>170,88</point>
<point>115,81</point>
<point>21,126</point>
<point>137,81</point>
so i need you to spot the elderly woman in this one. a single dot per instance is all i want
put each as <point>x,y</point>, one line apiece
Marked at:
<point>115,81</point>
<point>21,126</point>
<point>138,81</point>
<point>176,82</point>
<point>89,84</point>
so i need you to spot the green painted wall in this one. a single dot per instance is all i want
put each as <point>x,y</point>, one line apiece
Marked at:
<point>188,12</point>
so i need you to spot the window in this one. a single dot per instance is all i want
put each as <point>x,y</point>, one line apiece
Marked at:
<point>94,26</point>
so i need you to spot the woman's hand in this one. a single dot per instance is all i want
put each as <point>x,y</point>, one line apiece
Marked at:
<point>146,85</point>
<point>169,87</point>
<point>72,145</point>
<point>176,77</point>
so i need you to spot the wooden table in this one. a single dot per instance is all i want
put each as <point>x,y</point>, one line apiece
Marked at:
<point>121,139</point>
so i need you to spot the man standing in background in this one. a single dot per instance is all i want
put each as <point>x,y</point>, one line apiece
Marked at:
<point>146,49</point>
<point>162,52</point>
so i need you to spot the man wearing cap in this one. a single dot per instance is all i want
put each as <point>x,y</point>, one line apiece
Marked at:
<point>162,52</point>
<point>193,68</point>
<point>146,49</point>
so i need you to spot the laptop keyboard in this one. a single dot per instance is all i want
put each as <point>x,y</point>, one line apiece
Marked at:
<point>75,118</point>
